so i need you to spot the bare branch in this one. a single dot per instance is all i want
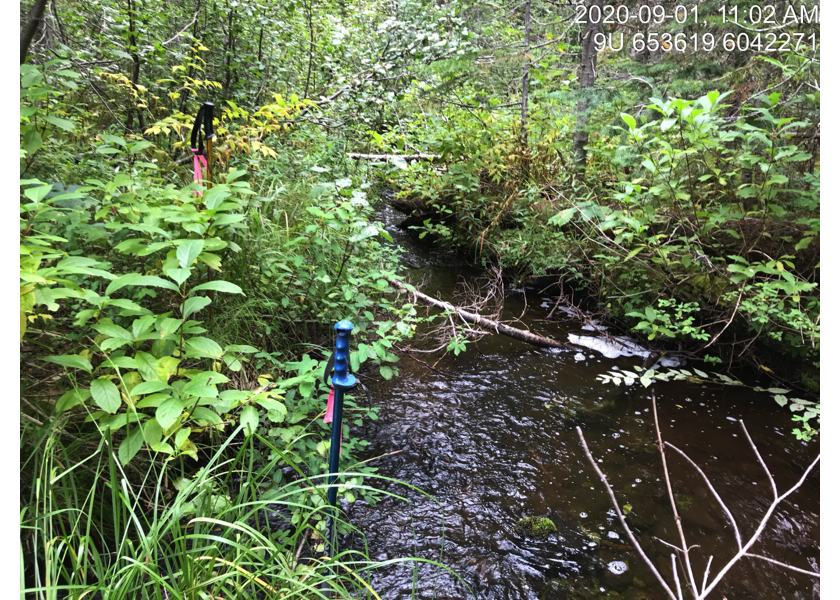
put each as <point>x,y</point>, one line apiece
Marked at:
<point>676,576</point>
<point>677,518</point>
<point>760,529</point>
<point>706,574</point>
<point>620,514</point>
<point>714,493</point>
<point>761,461</point>
<point>785,565</point>
<point>170,40</point>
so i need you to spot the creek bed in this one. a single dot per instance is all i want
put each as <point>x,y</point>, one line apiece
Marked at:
<point>490,434</point>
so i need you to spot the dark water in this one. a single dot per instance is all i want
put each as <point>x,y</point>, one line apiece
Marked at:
<point>491,436</point>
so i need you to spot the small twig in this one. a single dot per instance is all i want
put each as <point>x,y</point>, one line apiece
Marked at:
<point>31,419</point>
<point>661,541</point>
<point>676,577</point>
<point>422,362</point>
<point>677,518</point>
<point>731,318</point>
<point>706,574</point>
<point>761,461</point>
<point>714,493</point>
<point>377,458</point>
<point>785,565</point>
<point>299,550</point>
<point>195,16</point>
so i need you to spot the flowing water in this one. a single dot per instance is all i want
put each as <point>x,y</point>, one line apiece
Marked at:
<point>490,436</point>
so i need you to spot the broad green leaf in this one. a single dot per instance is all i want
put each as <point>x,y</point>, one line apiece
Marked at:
<point>386,372</point>
<point>195,304</point>
<point>152,432</point>
<point>71,360</point>
<point>149,387</point>
<point>666,124</point>
<point>60,123</point>
<point>215,196</point>
<point>168,326</point>
<point>202,413</point>
<point>139,146</point>
<point>133,279</point>
<point>218,286</point>
<point>169,364</point>
<point>131,445</point>
<point>178,275</point>
<point>197,387</point>
<point>631,122</point>
<point>32,141</point>
<point>36,194</point>
<point>188,251</point>
<point>150,369</point>
<point>114,331</point>
<point>71,399</point>
<point>227,220</point>
<point>168,412</point>
<point>163,447</point>
<point>142,325</point>
<point>210,377</point>
<point>126,304</point>
<point>211,260</point>
<point>250,419</point>
<point>122,362</point>
<point>182,437</point>
<point>203,347</point>
<point>271,404</point>
<point>106,395</point>
<point>152,401</point>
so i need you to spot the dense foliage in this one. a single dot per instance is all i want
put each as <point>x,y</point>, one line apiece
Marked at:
<point>167,325</point>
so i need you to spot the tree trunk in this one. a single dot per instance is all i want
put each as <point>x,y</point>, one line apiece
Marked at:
<point>484,322</point>
<point>588,58</point>
<point>191,73</point>
<point>230,47</point>
<point>135,60</point>
<point>33,21</point>
<point>525,79</point>
<point>309,8</point>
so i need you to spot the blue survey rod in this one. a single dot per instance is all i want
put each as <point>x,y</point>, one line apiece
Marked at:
<point>341,380</point>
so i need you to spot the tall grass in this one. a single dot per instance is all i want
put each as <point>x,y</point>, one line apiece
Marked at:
<point>89,529</point>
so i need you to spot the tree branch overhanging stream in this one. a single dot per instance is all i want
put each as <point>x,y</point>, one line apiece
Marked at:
<point>484,322</point>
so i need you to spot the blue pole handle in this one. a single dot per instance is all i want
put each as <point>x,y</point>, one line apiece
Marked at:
<point>342,379</point>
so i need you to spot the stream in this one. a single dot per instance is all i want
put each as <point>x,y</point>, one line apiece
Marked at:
<point>491,436</point>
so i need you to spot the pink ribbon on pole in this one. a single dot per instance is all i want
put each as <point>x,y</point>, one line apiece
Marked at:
<point>197,167</point>
<point>328,417</point>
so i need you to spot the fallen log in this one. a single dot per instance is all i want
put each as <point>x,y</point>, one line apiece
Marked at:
<point>484,322</point>
<point>418,156</point>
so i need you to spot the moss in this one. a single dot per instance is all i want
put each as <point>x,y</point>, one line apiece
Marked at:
<point>536,526</point>
<point>683,501</point>
<point>811,382</point>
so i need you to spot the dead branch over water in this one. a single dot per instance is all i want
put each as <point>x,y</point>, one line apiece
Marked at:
<point>483,322</point>
<point>743,548</point>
